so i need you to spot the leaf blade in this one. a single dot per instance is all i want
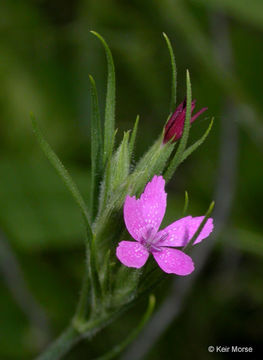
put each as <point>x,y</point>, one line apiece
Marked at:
<point>201,226</point>
<point>96,148</point>
<point>109,121</point>
<point>174,73</point>
<point>63,173</point>
<point>199,142</point>
<point>186,202</point>
<point>133,135</point>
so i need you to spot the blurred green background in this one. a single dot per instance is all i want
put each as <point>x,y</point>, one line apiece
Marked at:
<point>46,54</point>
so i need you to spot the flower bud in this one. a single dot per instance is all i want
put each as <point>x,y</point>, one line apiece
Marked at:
<point>175,125</point>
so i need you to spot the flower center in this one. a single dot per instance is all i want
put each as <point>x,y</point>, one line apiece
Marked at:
<point>152,240</point>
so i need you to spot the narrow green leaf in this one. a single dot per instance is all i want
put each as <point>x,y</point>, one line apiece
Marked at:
<point>121,163</point>
<point>83,307</point>
<point>114,185</point>
<point>110,101</point>
<point>154,150</point>
<point>96,149</point>
<point>114,204</point>
<point>133,135</point>
<point>152,163</point>
<point>201,226</point>
<point>63,173</point>
<point>133,334</point>
<point>104,191</point>
<point>106,274</point>
<point>175,162</point>
<point>96,290</point>
<point>91,256</point>
<point>174,74</point>
<point>186,202</point>
<point>126,281</point>
<point>106,183</point>
<point>199,142</point>
<point>146,158</point>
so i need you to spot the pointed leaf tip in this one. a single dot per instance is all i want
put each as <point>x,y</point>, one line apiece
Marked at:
<point>199,142</point>
<point>64,175</point>
<point>174,73</point>
<point>133,135</point>
<point>186,202</point>
<point>109,122</point>
<point>201,226</point>
<point>96,148</point>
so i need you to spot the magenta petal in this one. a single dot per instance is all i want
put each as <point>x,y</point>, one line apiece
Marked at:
<point>198,114</point>
<point>181,231</point>
<point>173,261</point>
<point>148,210</point>
<point>132,254</point>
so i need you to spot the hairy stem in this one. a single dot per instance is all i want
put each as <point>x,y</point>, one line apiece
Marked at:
<point>61,345</point>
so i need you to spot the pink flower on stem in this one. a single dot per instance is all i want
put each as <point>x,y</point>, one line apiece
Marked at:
<point>175,125</point>
<point>143,218</point>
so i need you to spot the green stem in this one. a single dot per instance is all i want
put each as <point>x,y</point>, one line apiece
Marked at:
<point>132,335</point>
<point>70,337</point>
<point>84,302</point>
<point>61,345</point>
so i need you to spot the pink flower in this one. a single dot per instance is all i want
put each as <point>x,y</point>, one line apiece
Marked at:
<point>143,218</point>
<point>175,125</point>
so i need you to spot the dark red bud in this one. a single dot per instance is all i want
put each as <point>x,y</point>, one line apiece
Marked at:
<point>175,125</point>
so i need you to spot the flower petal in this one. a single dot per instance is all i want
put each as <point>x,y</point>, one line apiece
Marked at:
<point>198,114</point>
<point>132,254</point>
<point>181,231</point>
<point>173,261</point>
<point>148,210</point>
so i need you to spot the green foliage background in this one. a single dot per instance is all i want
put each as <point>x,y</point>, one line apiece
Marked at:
<point>46,55</point>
